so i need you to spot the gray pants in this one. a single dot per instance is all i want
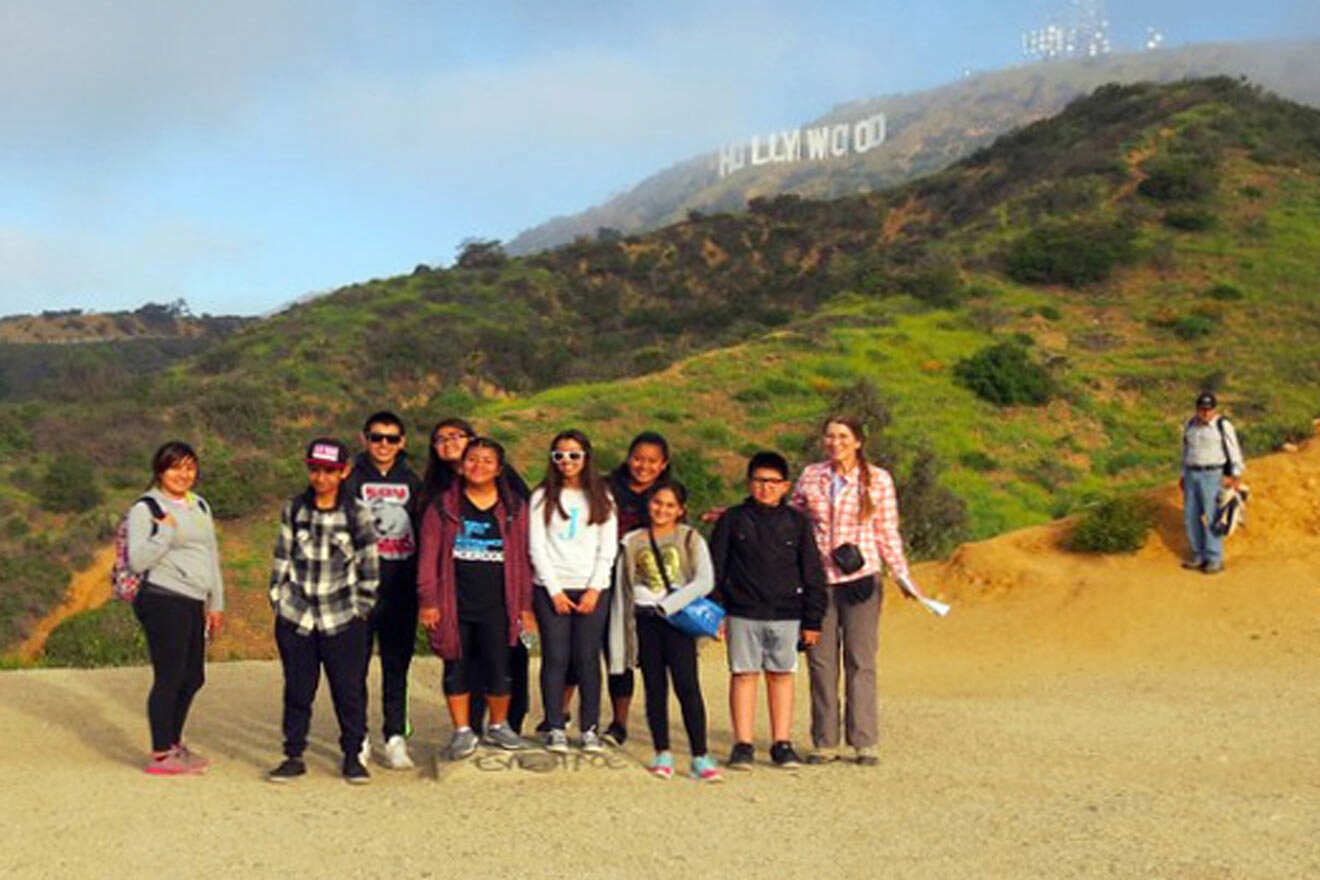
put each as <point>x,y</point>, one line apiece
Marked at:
<point>850,633</point>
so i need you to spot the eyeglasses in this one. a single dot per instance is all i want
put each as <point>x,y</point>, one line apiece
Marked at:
<point>448,438</point>
<point>377,437</point>
<point>767,481</point>
<point>571,455</point>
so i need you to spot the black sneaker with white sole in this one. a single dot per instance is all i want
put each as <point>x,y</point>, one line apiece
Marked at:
<point>290,769</point>
<point>742,757</point>
<point>784,755</point>
<point>354,772</point>
<point>616,734</point>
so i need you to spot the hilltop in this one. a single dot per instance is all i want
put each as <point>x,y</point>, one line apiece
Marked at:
<point>927,131</point>
<point>1027,326</point>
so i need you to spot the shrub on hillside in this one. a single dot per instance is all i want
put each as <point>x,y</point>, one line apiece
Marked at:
<point>1005,374</point>
<point>1190,327</point>
<point>105,636</point>
<point>1224,292</point>
<point>69,485</point>
<point>932,519</point>
<point>1177,178</point>
<point>1119,525</point>
<point>1189,219</point>
<point>30,583</point>
<point>237,486</point>
<point>1072,253</point>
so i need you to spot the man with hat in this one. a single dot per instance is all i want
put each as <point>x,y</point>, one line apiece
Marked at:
<point>1211,456</point>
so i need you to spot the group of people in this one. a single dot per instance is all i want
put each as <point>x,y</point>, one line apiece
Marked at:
<point>595,566</point>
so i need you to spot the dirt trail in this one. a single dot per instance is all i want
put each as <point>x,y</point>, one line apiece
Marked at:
<point>1073,717</point>
<point>89,588</point>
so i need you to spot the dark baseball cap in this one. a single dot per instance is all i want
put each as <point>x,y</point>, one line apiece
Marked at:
<point>327,450</point>
<point>1206,400</point>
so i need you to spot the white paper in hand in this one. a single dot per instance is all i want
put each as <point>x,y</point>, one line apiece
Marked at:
<point>938,608</point>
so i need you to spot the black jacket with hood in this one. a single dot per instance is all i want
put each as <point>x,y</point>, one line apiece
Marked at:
<point>767,566</point>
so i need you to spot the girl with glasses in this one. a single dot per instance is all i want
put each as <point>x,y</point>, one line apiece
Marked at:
<point>573,540</point>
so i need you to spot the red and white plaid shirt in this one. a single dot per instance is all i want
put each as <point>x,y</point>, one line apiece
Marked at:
<point>877,538</point>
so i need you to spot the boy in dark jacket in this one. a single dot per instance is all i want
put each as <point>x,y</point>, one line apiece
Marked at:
<point>769,579</point>
<point>383,481</point>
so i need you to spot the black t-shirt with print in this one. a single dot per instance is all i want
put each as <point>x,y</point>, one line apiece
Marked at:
<point>478,563</point>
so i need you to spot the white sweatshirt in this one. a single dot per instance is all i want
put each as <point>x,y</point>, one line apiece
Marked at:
<point>569,554</point>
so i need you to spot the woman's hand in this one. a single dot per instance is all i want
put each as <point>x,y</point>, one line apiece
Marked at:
<point>563,604</point>
<point>429,617</point>
<point>713,515</point>
<point>528,622</point>
<point>214,622</point>
<point>587,603</point>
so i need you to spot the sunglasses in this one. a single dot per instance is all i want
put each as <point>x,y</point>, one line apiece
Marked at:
<point>377,437</point>
<point>573,455</point>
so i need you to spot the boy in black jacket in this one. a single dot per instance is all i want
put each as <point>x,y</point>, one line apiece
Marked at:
<point>769,579</point>
<point>383,481</point>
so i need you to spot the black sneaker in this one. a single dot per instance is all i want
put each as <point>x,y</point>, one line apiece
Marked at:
<point>784,756</point>
<point>742,757</point>
<point>354,772</point>
<point>291,769</point>
<point>616,734</point>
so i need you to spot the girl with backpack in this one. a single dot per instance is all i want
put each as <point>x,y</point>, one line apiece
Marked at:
<point>474,591</point>
<point>662,568</point>
<point>171,545</point>
<point>573,538</point>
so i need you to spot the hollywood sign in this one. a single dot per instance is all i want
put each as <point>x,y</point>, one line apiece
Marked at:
<point>798,144</point>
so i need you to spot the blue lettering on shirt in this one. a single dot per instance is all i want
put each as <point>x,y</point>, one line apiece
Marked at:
<point>479,541</point>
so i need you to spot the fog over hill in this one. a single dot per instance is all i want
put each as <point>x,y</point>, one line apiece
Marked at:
<point>923,132</point>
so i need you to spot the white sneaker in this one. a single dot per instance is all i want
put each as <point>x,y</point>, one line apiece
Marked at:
<point>364,753</point>
<point>396,754</point>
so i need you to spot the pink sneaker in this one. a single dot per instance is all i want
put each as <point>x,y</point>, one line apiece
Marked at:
<point>169,764</point>
<point>705,769</point>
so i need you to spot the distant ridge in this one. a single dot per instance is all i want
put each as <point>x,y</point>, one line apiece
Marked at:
<point>927,131</point>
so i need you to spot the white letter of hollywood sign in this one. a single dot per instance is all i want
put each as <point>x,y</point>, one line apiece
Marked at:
<point>823,142</point>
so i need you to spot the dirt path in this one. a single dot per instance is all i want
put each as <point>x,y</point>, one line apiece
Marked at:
<point>1073,717</point>
<point>89,588</point>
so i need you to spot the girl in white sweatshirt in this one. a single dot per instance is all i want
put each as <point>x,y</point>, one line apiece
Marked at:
<point>573,541</point>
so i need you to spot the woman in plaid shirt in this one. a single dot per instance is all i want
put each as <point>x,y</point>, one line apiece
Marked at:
<point>850,503</point>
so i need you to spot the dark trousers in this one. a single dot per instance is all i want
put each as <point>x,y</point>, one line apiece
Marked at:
<point>570,642</point>
<point>303,657</point>
<point>663,649</point>
<point>175,627</point>
<point>393,628</point>
<point>519,698</point>
<point>484,660</point>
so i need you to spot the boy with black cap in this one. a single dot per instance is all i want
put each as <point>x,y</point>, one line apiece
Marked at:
<point>322,586</point>
<point>382,479</point>
<point>769,579</point>
<point>1211,456</point>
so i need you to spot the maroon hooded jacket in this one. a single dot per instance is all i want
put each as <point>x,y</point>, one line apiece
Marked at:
<point>435,570</point>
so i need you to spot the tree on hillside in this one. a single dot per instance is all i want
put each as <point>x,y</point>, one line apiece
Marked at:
<point>481,253</point>
<point>69,485</point>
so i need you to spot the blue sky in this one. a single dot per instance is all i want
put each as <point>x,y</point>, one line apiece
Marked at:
<point>241,154</point>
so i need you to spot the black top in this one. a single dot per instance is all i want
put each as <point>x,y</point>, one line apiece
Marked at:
<point>767,566</point>
<point>633,507</point>
<point>478,562</point>
<point>394,499</point>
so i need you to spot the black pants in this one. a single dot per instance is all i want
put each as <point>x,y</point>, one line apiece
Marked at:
<point>484,662</point>
<point>393,625</point>
<point>519,699</point>
<point>175,627</point>
<point>570,642</point>
<point>661,648</point>
<point>341,655</point>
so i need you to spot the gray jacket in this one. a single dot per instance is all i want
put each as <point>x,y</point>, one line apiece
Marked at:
<point>182,558</point>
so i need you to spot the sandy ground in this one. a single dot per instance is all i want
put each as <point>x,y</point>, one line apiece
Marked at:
<point>1073,717</point>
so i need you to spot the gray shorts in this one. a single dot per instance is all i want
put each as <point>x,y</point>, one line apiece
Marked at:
<point>762,645</point>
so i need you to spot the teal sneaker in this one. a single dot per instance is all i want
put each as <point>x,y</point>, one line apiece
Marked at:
<point>661,766</point>
<point>706,769</point>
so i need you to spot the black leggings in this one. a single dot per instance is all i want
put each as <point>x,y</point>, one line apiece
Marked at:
<point>393,623</point>
<point>483,658</point>
<point>661,647</point>
<point>175,627</point>
<point>570,642</point>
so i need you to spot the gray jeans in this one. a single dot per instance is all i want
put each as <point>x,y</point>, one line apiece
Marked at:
<point>850,633</point>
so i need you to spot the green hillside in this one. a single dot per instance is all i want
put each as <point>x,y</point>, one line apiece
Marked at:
<point>1145,243</point>
<point>927,131</point>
